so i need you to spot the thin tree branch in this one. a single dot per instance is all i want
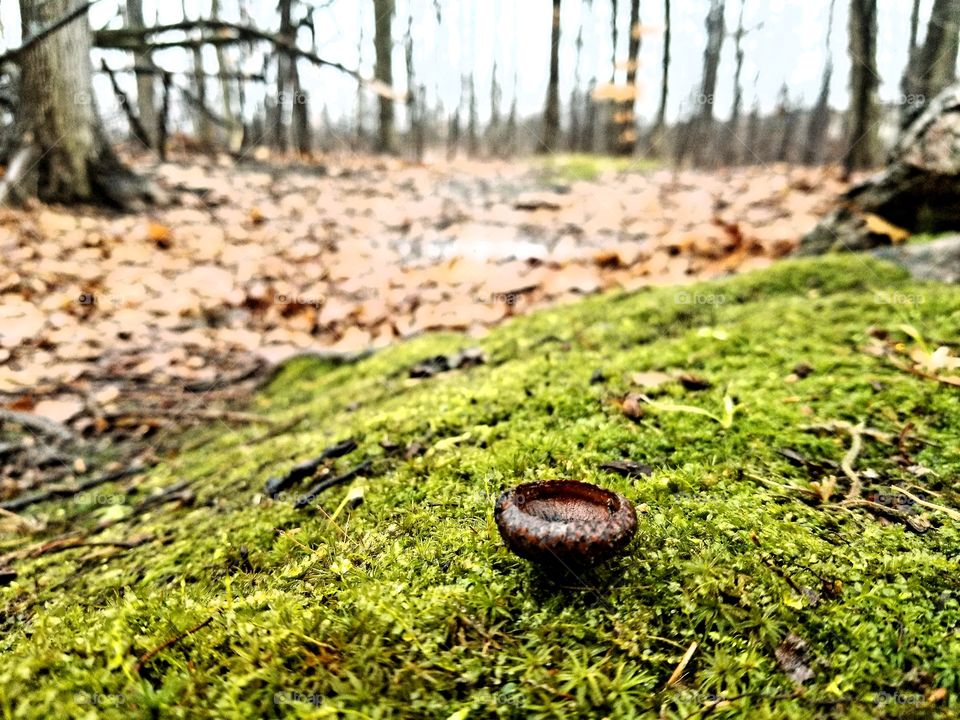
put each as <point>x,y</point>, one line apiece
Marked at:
<point>225,33</point>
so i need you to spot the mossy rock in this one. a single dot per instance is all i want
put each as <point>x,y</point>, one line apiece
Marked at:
<point>408,604</point>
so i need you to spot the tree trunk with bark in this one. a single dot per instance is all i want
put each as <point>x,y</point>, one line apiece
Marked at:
<point>626,118</point>
<point>143,60</point>
<point>75,162</point>
<point>655,138</point>
<point>711,63</point>
<point>933,65</point>
<point>383,43</point>
<point>863,113</point>
<point>820,114</point>
<point>551,114</point>
<point>734,148</point>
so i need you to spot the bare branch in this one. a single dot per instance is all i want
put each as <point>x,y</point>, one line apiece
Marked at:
<point>225,33</point>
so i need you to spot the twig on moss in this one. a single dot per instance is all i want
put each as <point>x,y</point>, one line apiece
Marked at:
<point>856,485</point>
<point>950,512</point>
<point>70,543</point>
<point>684,661</point>
<point>150,654</point>
<point>917,524</point>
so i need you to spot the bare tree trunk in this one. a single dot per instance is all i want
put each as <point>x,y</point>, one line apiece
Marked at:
<point>655,139</point>
<point>820,114</point>
<point>302,136</point>
<point>510,131</point>
<point>284,76</point>
<point>361,96</point>
<point>75,163</point>
<point>588,134</point>
<point>573,137</point>
<point>383,42</point>
<point>788,125</point>
<point>204,129</point>
<point>611,144</point>
<point>626,117</point>
<point>146,107</point>
<point>225,68</point>
<point>734,149</point>
<point>473,121</point>
<point>414,109</point>
<point>753,132</point>
<point>708,87</point>
<point>863,112</point>
<point>494,134</point>
<point>551,114</point>
<point>933,66</point>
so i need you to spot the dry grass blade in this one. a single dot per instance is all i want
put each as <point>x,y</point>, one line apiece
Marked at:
<point>682,665</point>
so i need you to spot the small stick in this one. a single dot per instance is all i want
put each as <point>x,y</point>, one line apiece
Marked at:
<point>312,493</point>
<point>950,512</point>
<point>70,543</point>
<point>201,413</point>
<point>678,671</point>
<point>917,524</point>
<point>150,654</point>
<point>38,423</point>
<point>856,485</point>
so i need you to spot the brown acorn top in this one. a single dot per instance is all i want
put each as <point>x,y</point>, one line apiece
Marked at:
<point>565,522</point>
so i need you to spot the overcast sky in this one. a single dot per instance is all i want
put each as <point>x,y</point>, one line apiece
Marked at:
<point>785,45</point>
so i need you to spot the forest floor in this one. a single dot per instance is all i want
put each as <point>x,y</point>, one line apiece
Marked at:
<point>135,325</point>
<point>795,440</point>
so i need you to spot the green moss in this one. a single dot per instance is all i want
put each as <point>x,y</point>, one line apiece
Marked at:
<point>579,166</point>
<point>409,605</point>
<point>920,238</point>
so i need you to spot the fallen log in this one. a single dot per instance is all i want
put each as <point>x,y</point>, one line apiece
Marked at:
<point>917,192</point>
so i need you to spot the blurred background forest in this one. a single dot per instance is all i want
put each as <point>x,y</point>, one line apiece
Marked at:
<point>712,82</point>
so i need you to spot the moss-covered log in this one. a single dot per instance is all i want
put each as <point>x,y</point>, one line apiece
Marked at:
<point>747,570</point>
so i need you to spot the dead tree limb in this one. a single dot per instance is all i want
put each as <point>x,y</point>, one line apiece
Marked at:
<point>225,33</point>
<point>156,70</point>
<point>162,126</point>
<point>139,132</point>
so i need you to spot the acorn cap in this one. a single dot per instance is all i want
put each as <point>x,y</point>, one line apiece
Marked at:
<point>565,523</point>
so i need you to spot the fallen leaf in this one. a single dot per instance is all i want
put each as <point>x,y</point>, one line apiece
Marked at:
<point>61,410</point>
<point>878,225</point>
<point>650,379</point>
<point>160,235</point>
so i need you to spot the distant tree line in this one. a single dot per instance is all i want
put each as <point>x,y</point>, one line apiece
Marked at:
<point>48,113</point>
